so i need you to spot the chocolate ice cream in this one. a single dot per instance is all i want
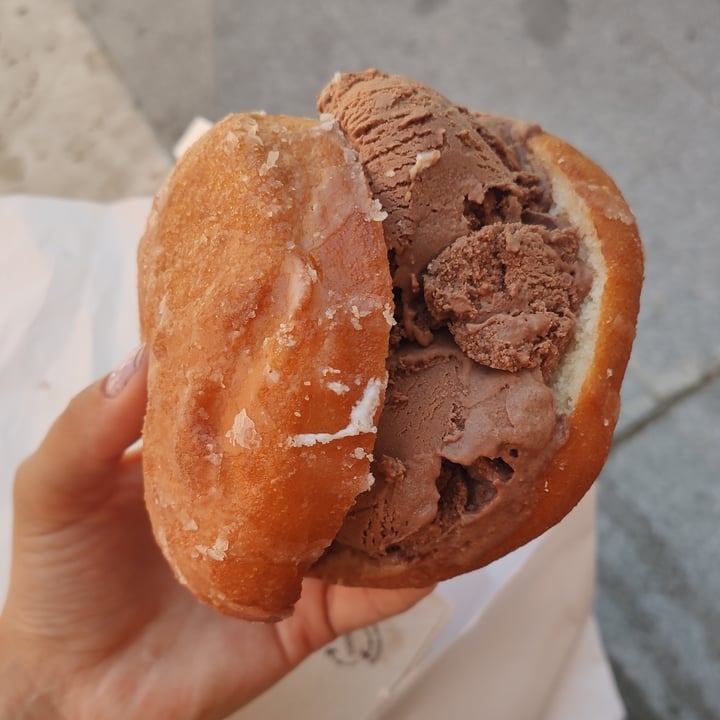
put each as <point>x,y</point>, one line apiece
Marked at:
<point>487,284</point>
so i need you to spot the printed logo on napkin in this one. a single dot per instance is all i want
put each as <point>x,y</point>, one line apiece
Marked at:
<point>354,675</point>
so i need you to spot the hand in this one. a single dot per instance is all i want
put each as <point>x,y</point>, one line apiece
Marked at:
<point>95,625</point>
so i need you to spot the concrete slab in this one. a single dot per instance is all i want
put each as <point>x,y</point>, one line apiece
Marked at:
<point>659,578</point>
<point>69,128</point>
<point>688,35</point>
<point>163,52</point>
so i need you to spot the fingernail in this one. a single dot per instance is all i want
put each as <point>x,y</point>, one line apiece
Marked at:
<point>119,378</point>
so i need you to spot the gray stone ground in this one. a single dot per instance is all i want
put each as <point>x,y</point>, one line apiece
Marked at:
<point>94,93</point>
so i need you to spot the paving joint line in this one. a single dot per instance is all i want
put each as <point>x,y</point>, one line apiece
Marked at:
<point>666,405</point>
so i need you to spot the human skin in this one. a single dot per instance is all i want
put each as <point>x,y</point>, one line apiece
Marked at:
<point>96,626</point>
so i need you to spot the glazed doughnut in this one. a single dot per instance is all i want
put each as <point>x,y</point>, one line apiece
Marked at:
<point>283,307</point>
<point>265,300</point>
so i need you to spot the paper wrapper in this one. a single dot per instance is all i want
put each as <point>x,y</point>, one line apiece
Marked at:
<point>514,641</point>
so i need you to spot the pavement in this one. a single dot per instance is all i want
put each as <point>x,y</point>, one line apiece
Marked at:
<point>95,92</point>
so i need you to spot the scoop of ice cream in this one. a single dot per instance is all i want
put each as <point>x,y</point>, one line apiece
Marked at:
<point>508,293</point>
<point>487,282</point>
<point>431,166</point>
<point>452,435</point>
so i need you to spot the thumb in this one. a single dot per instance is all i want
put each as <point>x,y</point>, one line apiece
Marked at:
<point>71,472</point>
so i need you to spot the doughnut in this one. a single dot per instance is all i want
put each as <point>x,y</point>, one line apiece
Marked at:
<point>299,296</point>
<point>266,304</point>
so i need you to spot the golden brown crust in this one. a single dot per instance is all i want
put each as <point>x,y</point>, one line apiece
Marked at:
<point>589,385</point>
<point>595,411</point>
<point>262,270</point>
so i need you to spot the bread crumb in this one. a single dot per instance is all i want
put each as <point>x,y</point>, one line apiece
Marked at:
<point>375,211</point>
<point>270,162</point>
<point>217,551</point>
<point>242,433</point>
<point>360,454</point>
<point>213,457</point>
<point>423,161</point>
<point>250,126</point>
<point>285,336</point>
<point>338,388</point>
<point>355,319</point>
<point>389,315</point>
<point>231,142</point>
<point>327,121</point>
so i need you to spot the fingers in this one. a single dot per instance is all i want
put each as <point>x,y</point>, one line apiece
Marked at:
<point>353,608</point>
<point>71,472</point>
<point>326,611</point>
